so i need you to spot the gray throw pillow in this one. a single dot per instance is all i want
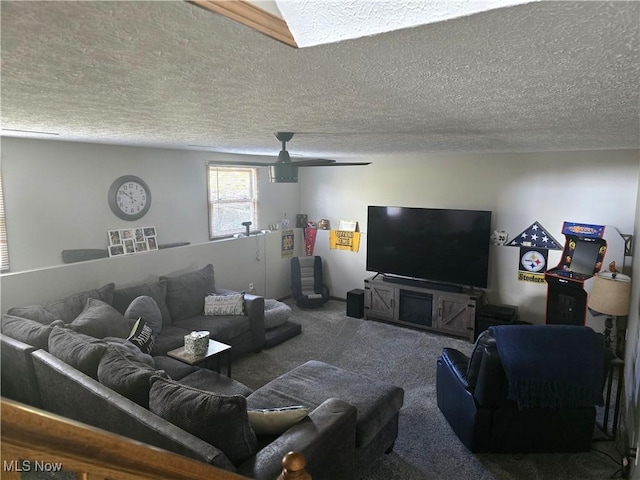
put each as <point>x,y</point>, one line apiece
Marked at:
<point>147,309</point>
<point>122,372</point>
<point>28,331</point>
<point>123,297</point>
<point>219,420</point>
<point>186,292</point>
<point>66,309</point>
<point>77,350</point>
<point>100,320</point>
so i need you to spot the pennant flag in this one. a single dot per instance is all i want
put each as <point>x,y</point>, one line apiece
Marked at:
<point>343,240</point>
<point>535,236</point>
<point>287,243</point>
<point>309,240</point>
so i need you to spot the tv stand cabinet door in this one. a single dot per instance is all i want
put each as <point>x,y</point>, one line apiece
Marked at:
<point>456,315</point>
<point>379,301</point>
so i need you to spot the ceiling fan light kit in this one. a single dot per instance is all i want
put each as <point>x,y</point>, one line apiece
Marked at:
<point>283,173</point>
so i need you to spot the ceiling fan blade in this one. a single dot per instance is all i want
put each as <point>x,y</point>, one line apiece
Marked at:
<point>239,164</point>
<point>345,164</point>
<point>313,162</point>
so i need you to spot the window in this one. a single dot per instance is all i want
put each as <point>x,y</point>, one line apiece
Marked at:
<point>233,199</point>
<point>4,252</point>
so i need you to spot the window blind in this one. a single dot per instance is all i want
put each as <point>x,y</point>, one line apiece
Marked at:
<point>4,251</point>
<point>232,199</point>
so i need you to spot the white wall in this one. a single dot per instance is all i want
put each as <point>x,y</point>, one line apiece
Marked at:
<point>56,199</point>
<point>590,187</point>
<point>632,356</point>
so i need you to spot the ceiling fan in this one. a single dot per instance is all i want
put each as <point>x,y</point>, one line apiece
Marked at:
<point>285,170</point>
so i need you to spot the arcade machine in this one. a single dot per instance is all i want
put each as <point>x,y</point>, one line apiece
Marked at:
<point>588,250</point>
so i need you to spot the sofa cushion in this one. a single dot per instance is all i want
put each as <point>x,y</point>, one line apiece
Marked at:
<point>232,304</point>
<point>314,382</point>
<point>170,338</point>
<point>275,421</point>
<point>174,368</point>
<point>125,374</point>
<point>186,292</point>
<point>220,420</point>
<point>66,309</point>
<point>142,336</point>
<point>130,350</point>
<point>99,319</point>
<point>146,308</point>
<point>221,328</point>
<point>28,331</point>
<point>123,297</point>
<point>77,350</point>
<point>210,381</point>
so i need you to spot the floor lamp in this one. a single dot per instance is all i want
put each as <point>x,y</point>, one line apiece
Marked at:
<point>611,296</point>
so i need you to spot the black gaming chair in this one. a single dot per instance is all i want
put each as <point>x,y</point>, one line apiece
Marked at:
<point>307,286</point>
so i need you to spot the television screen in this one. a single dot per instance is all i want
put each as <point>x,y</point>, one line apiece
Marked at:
<point>439,245</point>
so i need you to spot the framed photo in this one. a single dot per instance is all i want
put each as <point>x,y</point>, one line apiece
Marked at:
<point>128,241</point>
<point>129,246</point>
<point>114,237</point>
<point>152,243</point>
<point>126,234</point>
<point>115,250</point>
<point>141,247</point>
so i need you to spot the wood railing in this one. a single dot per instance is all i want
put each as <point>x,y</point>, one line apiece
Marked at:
<point>37,441</point>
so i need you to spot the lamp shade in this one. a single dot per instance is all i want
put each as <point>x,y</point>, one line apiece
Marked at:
<point>611,294</point>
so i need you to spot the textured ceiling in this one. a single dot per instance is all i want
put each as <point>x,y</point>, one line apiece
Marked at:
<point>534,77</point>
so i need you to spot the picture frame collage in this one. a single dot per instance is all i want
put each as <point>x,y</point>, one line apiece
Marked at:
<point>128,241</point>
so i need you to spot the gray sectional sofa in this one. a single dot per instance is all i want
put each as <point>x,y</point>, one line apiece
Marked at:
<point>51,360</point>
<point>180,299</point>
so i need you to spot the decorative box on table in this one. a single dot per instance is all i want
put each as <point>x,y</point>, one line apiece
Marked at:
<point>196,343</point>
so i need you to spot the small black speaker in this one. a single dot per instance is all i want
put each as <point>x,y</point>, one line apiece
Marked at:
<point>355,303</point>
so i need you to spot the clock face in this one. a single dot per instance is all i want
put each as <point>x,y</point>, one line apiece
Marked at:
<point>129,197</point>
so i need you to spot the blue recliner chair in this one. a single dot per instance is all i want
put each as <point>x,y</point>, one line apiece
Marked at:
<point>307,286</point>
<point>524,389</point>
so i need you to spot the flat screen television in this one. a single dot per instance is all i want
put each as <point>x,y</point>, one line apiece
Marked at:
<point>437,245</point>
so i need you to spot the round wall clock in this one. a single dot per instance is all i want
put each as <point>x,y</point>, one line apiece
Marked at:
<point>129,197</point>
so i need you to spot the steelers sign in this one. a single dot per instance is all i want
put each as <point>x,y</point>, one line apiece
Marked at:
<point>533,264</point>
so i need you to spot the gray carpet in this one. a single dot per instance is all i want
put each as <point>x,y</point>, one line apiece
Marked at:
<point>426,448</point>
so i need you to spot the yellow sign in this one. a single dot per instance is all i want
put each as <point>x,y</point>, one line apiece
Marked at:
<point>343,240</point>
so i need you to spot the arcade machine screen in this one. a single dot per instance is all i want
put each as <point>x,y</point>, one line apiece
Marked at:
<point>585,257</point>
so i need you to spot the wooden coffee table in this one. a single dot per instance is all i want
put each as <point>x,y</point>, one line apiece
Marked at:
<point>215,351</point>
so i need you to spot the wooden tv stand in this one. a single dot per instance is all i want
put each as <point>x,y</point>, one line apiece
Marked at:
<point>428,306</point>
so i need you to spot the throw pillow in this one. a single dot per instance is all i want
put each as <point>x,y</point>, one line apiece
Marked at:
<point>274,421</point>
<point>219,420</point>
<point>28,331</point>
<point>123,297</point>
<point>123,373</point>
<point>186,292</point>
<point>147,309</point>
<point>80,351</point>
<point>232,304</point>
<point>142,336</point>
<point>66,309</point>
<point>99,320</point>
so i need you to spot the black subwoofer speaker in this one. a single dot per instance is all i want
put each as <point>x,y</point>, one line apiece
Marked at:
<point>355,303</point>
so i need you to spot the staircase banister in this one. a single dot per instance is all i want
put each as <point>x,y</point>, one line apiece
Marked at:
<point>33,438</point>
